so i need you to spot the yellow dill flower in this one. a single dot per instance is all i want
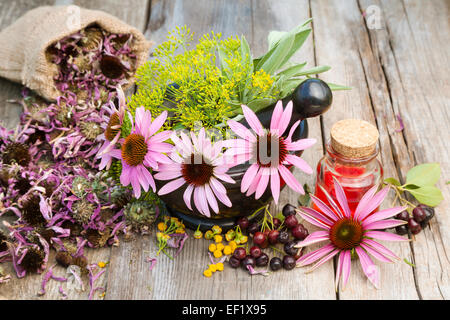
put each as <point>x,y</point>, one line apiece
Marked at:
<point>101,264</point>
<point>233,245</point>
<point>207,273</point>
<point>213,268</point>
<point>230,235</point>
<point>162,226</point>
<point>180,230</point>
<point>218,238</point>
<point>217,253</point>
<point>220,246</point>
<point>227,250</point>
<point>262,80</point>
<point>212,247</point>
<point>216,229</point>
<point>208,235</point>
<point>219,266</point>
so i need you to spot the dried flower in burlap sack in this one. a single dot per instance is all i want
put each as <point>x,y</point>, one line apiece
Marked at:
<point>26,46</point>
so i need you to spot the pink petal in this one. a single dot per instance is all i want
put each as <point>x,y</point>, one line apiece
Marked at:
<point>157,123</point>
<point>187,196</point>
<point>252,120</point>
<point>275,184</point>
<point>380,248</point>
<point>368,267</point>
<point>276,116</point>
<point>387,236</point>
<point>346,266</point>
<point>383,224</point>
<point>161,137</point>
<point>254,184</point>
<point>377,255</point>
<point>290,179</point>
<point>126,174</point>
<point>324,259</point>
<point>171,186</point>
<point>220,192</point>
<point>197,202</point>
<point>383,214</point>
<point>314,217</point>
<point>160,147</point>
<point>341,198</point>
<point>136,185</point>
<point>334,206</point>
<point>314,237</point>
<point>203,201</point>
<point>325,210</point>
<point>367,197</point>
<point>263,182</point>
<point>301,144</point>
<point>211,198</point>
<point>241,130</point>
<point>285,119</point>
<point>374,203</point>
<point>167,175</point>
<point>292,130</point>
<point>315,255</point>
<point>248,177</point>
<point>338,270</point>
<point>299,163</point>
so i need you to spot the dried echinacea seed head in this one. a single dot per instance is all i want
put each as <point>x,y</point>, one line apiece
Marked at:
<point>63,258</point>
<point>97,238</point>
<point>82,211</point>
<point>16,152</point>
<point>33,260</point>
<point>31,212</point>
<point>3,239</point>
<point>23,185</point>
<point>91,130</point>
<point>111,67</point>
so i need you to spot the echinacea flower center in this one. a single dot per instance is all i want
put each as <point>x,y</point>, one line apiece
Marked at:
<point>16,152</point>
<point>271,150</point>
<point>111,67</point>
<point>346,233</point>
<point>111,132</point>
<point>134,149</point>
<point>196,170</point>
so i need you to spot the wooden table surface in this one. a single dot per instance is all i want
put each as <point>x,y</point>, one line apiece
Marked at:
<point>399,67</point>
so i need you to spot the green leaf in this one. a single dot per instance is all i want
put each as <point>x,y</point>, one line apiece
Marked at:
<point>336,87</point>
<point>272,61</point>
<point>292,71</point>
<point>304,200</point>
<point>260,104</point>
<point>428,195</point>
<point>315,70</point>
<point>289,85</point>
<point>274,37</point>
<point>392,181</point>
<point>426,174</point>
<point>280,216</point>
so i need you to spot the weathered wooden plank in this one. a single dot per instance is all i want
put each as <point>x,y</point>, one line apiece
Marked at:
<point>342,41</point>
<point>182,278</point>
<point>413,45</point>
<point>132,12</point>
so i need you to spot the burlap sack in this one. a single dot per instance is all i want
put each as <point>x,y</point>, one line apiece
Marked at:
<point>24,43</point>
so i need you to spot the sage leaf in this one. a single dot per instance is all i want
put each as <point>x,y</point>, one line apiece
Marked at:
<point>336,87</point>
<point>315,70</point>
<point>392,181</point>
<point>426,174</point>
<point>292,71</point>
<point>428,195</point>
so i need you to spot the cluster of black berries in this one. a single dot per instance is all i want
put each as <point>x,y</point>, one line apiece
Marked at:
<point>421,216</point>
<point>281,232</point>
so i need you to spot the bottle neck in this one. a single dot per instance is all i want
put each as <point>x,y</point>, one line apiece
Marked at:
<point>336,158</point>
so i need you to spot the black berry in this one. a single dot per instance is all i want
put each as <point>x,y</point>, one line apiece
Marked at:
<point>248,261</point>
<point>289,262</point>
<point>419,214</point>
<point>255,252</point>
<point>290,249</point>
<point>262,260</point>
<point>288,210</point>
<point>273,236</point>
<point>401,230</point>
<point>414,226</point>
<point>243,223</point>
<point>239,253</point>
<point>291,221</point>
<point>234,262</point>
<point>299,232</point>
<point>259,238</point>
<point>283,237</point>
<point>275,264</point>
<point>404,215</point>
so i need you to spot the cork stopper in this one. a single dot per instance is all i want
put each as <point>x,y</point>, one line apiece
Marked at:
<point>354,138</point>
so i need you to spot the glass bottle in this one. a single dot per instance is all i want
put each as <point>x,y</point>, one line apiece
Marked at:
<point>351,158</point>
